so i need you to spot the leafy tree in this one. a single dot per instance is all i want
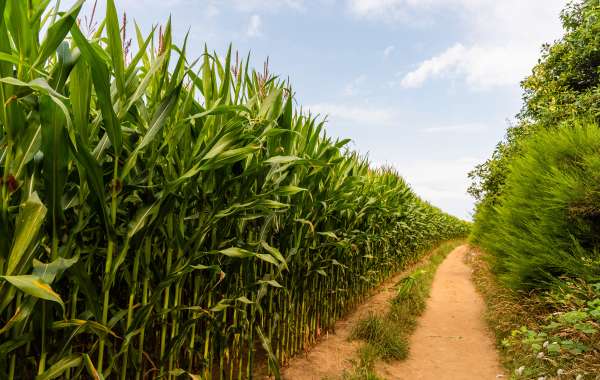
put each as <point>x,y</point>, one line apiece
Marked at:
<point>563,86</point>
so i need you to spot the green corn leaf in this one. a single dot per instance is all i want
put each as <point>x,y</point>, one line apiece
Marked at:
<point>220,144</point>
<point>275,205</point>
<point>89,366</point>
<point>289,190</point>
<point>244,300</point>
<point>13,344</point>
<point>30,219</point>
<point>268,258</point>
<point>57,32</point>
<point>48,272</point>
<point>285,121</point>
<point>21,314</point>
<point>141,218</point>
<point>158,120</point>
<point>222,305</point>
<point>179,70</point>
<point>207,80</point>
<point>27,148</point>
<point>58,368</point>
<point>96,327</point>
<point>94,178</point>
<point>229,157</point>
<point>214,268</point>
<point>101,80</point>
<point>34,286</point>
<point>143,85</point>
<point>280,160</point>
<point>17,22</point>
<point>115,45</point>
<point>274,252</point>
<point>80,90</point>
<point>226,79</point>
<point>271,107</point>
<point>55,149</point>
<point>329,234</point>
<point>237,253</point>
<point>272,359</point>
<point>218,110</point>
<point>142,54</point>
<point>42,86</point>
<point>272,283</point>
<point>38,84</point>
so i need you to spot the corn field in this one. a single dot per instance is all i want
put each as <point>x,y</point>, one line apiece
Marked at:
<point>166,217</point>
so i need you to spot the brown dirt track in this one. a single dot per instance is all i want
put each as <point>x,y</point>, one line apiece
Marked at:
<point>451,341</point>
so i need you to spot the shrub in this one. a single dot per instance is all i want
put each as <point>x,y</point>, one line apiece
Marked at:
<point>547,222</point>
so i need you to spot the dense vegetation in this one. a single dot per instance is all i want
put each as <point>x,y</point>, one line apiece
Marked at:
<point>538,215</point>
<point>161,216</point>
<point>546,224</point>
<point>543,335</point>
<point>538,209</point>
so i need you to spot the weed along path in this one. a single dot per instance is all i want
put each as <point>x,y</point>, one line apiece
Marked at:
<point>451,340</point>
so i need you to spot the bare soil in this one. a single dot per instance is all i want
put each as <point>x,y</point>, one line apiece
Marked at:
<point>452,340</point>
<point>334,353</point>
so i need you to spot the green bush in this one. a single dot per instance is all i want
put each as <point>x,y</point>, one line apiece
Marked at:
<point>547,222</point>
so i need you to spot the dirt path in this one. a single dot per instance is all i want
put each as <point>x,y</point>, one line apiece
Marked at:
<point>331,356</point>
<point>452,340</point>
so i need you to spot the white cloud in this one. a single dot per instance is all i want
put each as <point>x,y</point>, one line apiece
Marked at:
<point>254,26</point>
<point>353,88</point>
<point>385,9</point>
<point>364,114</point>
<point>441,182</point>
<point>267,5</point>
<point>388,50</point>
<point>435,66</point>
<point>481,66</point>
<point>500,46</point>
<point>455,128</point>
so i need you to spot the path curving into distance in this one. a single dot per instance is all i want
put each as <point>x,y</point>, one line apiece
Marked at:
<point>452,340</point>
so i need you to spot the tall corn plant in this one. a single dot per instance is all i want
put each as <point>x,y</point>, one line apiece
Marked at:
<point>164,217</point>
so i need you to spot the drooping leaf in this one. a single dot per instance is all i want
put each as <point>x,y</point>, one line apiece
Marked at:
<point>58,368</point>
<point>48,272</point>
<point>57,32</point>
<point>34,286</point>
<point>30,219</point>
<point>237,253</point>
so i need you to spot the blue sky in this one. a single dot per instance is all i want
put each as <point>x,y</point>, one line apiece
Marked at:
<point>427,86</point>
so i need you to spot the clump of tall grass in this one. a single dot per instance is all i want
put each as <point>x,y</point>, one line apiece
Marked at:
<point>383,336</point>
<point>364,366</point>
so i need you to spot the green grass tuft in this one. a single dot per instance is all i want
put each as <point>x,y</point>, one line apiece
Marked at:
<point>383,335</point>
